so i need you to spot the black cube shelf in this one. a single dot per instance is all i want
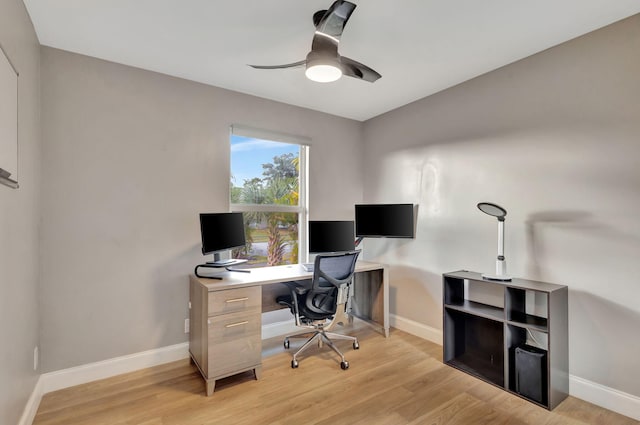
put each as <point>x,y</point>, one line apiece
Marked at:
<point>486,322</point>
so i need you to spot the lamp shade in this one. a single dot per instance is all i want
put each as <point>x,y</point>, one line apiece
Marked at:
<point>492,209</point>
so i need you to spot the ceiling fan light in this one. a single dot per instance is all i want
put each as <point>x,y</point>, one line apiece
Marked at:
<point>323,73</point>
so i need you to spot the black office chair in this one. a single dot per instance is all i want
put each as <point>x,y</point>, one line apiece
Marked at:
<point>325,299</point>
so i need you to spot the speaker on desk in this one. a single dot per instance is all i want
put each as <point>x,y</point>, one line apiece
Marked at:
<point>531,373</point>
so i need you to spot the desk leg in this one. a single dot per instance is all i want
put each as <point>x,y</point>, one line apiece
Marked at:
<point>211,385</point>
<point>385,302</point>
<point>371,299</point>
<point>257,372</point>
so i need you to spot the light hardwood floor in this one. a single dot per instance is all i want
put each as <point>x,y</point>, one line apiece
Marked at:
<point>398,380</point>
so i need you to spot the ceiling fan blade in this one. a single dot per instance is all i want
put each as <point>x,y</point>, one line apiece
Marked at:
<point>355,69</point>
<point>287,65</point>
<point>324,45</point>
<point>332,22</point>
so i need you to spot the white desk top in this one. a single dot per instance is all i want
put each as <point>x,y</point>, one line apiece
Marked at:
<point>266,275</point>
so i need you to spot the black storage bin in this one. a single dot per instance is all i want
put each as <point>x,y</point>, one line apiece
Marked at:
<point>531,373</point>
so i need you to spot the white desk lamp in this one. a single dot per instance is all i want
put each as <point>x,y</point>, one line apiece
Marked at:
<point>501,265</point>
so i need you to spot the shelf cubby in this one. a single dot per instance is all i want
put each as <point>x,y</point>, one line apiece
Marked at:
<point>487,324</point>
<point>481,300</point>
<point>536,342</point>
<point>483,310</point>
<point>475,345</point>
<point>527,307</point>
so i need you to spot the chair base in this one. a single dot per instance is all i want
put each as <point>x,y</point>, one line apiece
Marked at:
<point>320,336</point>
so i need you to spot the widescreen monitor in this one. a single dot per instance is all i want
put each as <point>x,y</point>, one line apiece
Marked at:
<point>384,221</point>
<point>331,236</point>
<point>221,231</point>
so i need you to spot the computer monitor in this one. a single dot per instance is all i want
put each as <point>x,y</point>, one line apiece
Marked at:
<point>221,232</point>
<point>384,221</point>
<point>331,236</point>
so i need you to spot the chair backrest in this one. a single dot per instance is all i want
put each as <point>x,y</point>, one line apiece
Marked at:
<point>332,273</point>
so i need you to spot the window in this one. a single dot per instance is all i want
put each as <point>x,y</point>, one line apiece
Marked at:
<point>268,185</point>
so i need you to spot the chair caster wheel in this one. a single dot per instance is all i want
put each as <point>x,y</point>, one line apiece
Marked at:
<point>294,364</point>
<point>344,365</point>
<point>356,346</point>
<point>286,344</point>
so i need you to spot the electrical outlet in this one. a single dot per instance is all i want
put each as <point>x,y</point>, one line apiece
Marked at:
<point>36,358</point>
<point>186,326</point>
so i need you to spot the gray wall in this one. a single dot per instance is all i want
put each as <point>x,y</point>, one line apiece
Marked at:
<point>19,215</point>
<point>555,139</point>
<point>130,159</point>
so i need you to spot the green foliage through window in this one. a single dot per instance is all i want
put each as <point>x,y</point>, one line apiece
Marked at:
<point>266,173</point>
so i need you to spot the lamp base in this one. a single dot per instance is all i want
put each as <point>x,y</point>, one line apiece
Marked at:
<point>488,276</point>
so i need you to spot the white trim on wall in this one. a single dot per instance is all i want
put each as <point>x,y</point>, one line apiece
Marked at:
<point>279,328</point>
<point>65,378</point>
<point>31,408</point>
<point>415,328</point>
<point>277,136</point>
<point>600,395</point>
<point>609,398</point>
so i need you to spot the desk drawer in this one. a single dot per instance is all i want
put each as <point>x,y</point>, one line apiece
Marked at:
<point>234,357</point>
<point>231,300</point>
<point>232,326</point>
<point>235,342</point>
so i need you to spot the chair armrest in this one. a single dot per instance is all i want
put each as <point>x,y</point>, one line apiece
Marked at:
<point>298,288</point>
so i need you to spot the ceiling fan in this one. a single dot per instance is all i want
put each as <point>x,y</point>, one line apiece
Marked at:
<point>323,63</point>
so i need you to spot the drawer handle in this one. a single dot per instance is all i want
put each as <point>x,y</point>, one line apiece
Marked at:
<point>231,325</point>
<point>235,300</point>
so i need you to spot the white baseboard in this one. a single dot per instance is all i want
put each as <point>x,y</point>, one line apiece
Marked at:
<point>609,398</point>
<point>415,328</point>
<point>279,328</point>
<point>53,381</point>
<point>31,408</point>
<point>65,378</point>
<point>600,395</point>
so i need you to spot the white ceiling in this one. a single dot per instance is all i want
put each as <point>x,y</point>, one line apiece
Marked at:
<point>419,46</point>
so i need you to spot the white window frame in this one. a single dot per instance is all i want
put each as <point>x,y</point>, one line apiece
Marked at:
<point>303,184</point>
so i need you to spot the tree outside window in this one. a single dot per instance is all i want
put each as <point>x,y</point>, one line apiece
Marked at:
<point>266,186</point>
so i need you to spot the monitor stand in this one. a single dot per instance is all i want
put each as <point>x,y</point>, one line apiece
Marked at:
<point>226,264</point>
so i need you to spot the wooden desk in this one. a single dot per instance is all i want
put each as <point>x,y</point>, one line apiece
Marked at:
<point>225,331</point>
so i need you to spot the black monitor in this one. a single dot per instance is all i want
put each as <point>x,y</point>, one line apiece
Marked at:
<point>384,221</point>
<point>331,236</point>
<point>220,232</point>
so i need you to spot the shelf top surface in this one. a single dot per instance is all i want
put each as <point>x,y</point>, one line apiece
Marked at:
<point>514,283</point>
